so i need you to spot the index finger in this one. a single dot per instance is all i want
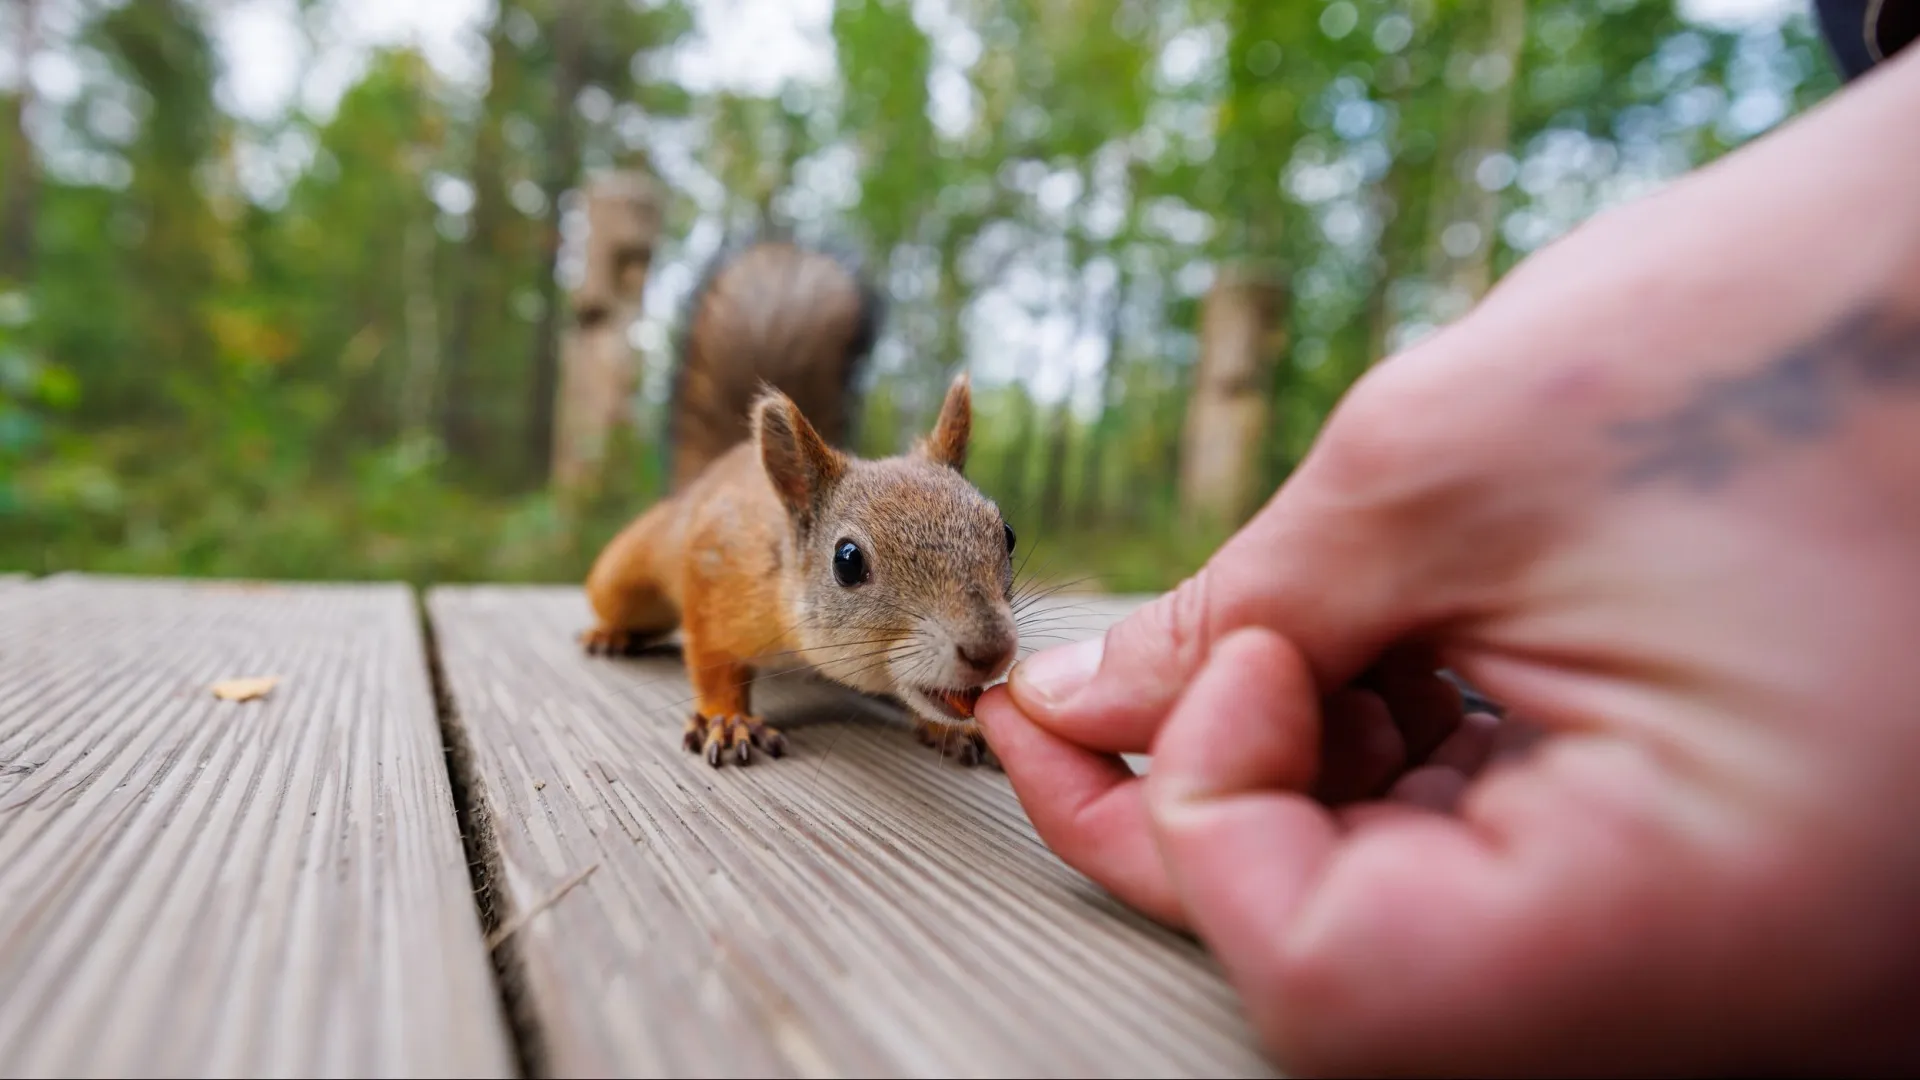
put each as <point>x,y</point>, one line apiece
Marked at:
<point>1087,806</point>
<point>1569,918</point>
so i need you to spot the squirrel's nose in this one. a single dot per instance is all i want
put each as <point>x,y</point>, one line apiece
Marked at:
<point>986,659</point>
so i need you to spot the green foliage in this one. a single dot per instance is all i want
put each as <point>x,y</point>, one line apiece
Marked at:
<point>31,391</point>
<point>885,60</point>
<point>343,376</point>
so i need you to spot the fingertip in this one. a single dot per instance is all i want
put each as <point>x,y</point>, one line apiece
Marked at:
<point>1248,722</point>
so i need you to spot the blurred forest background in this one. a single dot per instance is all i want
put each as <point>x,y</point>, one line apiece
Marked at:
<point>325,336</point>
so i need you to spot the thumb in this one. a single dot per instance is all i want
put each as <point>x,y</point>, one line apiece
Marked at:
<point>1402,517</point>
<point>1323,575</point>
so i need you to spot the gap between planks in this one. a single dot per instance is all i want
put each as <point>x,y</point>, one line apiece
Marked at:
<point>858,908</point>
<point>482,856</point>
<point>197,887</point>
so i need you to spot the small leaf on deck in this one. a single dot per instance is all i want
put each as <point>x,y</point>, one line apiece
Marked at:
<point>245,689</point>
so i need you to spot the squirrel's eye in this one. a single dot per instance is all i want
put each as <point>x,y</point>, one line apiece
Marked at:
<point>849,565</point>
<point>1009,529</point>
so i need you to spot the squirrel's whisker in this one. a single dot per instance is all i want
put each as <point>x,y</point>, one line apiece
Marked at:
<point>781,552</point>
<point>759,675</point>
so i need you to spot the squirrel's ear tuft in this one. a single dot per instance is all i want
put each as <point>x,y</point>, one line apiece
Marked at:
<point>802,467</point>
<point>948,443</point>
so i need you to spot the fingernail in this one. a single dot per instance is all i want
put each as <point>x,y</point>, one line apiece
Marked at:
<point>1048,679</point>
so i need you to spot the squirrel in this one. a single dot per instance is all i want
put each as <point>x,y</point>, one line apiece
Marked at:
<point>775,548</point>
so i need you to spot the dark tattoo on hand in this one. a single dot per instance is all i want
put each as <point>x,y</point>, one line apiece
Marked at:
<point>1799,397</point>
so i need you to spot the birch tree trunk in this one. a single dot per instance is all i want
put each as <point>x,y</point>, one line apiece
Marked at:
<point>1230,412</point>
<point>563,164</point>
<point>1465,235</point>
<point>480,274</point>
<point>22,181</point>
<point>422,373</point>
<point>1093,504</point>
<point>598,372</point>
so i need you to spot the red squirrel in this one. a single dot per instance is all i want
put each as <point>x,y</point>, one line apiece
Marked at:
<point>775,549</point>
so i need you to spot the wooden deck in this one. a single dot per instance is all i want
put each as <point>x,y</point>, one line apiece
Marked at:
<point>475,851</point>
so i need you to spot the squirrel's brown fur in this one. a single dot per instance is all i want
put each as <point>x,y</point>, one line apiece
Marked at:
<point>742,556</point>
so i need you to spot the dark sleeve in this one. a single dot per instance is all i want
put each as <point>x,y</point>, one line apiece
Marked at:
<point>1862,33</point>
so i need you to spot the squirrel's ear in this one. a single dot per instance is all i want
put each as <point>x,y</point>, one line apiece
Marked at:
<point>802,467</point>
<point>948,443</point>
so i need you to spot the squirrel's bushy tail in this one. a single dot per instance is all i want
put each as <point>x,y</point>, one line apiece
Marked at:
<point>771,312</point>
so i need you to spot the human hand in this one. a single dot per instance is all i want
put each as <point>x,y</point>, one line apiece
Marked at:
<point>1660,494</point>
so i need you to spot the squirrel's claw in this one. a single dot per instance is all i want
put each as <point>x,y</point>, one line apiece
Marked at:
<point>768,739</point>
<point>606,641</point>
<point>964,743</point>
<point>740,734</point>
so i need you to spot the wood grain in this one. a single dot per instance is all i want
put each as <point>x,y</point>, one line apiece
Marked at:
<point>195,887</point>
<point>858,908</point>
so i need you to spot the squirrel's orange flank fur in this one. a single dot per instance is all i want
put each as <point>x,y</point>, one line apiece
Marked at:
<point>776,550</point>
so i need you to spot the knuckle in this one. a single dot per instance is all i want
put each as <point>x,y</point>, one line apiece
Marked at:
<point>1180,621</point>
<point>1374,436</point>
<point>1412,411</point>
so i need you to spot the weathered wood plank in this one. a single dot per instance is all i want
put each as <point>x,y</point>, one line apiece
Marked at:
<point>197,887</point>
<point>859,907</point>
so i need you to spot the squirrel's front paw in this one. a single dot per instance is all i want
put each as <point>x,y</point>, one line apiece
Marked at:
<point>732,736</point>
<point>607,641</point>
<point>964,743</point>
